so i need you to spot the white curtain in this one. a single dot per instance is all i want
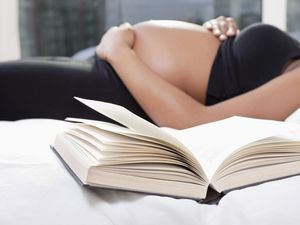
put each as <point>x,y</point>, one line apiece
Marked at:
<point>9,30</point>
<point>275,12</point>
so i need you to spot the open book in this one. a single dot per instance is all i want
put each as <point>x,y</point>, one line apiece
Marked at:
<point>142,157</point>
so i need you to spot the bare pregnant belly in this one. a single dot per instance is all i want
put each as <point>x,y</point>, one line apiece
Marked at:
<point>181,53</point>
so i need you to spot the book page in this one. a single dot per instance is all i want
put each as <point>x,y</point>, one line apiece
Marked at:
<point>116,135</point>
<point>212,143</point>
<point>130,120</point>
<point>138,124</point>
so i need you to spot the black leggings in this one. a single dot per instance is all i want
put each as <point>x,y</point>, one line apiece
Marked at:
<point>45,87</point>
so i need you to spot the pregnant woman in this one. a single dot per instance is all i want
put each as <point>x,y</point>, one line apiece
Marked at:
<point>171,73</point>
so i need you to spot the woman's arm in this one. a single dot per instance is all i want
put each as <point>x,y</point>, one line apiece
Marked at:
<point>164,103</point>
<point>276,99</point>
<point>169,106</point>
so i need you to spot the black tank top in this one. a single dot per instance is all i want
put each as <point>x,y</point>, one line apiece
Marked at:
<point>249,60</point>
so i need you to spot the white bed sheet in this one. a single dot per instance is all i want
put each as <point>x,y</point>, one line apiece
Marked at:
<point>36,189</point>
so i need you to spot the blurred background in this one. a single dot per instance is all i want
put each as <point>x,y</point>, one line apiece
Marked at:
<point>65,27</point>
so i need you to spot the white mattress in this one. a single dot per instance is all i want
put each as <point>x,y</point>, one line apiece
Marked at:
<point>36,189</point>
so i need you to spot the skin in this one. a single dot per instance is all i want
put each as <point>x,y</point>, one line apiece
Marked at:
<point>177,60</point>
<point>166,65</point>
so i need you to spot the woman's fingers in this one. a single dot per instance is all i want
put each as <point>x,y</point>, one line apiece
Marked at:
<point>208,25</point>
<point>114,40</point>
<point>222,27</point>
<point>232,27</point>
<point>219,28</point>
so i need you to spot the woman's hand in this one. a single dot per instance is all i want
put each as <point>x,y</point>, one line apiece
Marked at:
<point>115,41</point>
<point>222,27</point>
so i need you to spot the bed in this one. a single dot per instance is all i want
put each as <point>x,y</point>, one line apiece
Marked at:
<point>35,189</point>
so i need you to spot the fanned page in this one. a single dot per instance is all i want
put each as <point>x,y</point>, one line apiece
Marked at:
<point>136,123</point>
<point>212,143</point>
<point>130,120</point>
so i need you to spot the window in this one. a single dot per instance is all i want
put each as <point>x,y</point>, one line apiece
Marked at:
<point>56,27</point>
<point>293,18</point>
<point>245,12</point>
<point>197,11</point>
